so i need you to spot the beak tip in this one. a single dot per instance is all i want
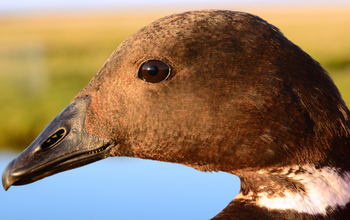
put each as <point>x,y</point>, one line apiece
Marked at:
<point>7,178</point>
<point>6,187</point>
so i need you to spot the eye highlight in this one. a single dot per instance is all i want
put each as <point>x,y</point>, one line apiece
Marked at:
<point>154,71</point>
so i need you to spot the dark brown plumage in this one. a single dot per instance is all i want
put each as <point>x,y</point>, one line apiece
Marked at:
<point>240,98</point>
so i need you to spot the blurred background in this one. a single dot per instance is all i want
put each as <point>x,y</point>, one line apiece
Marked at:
<point>49,50</point>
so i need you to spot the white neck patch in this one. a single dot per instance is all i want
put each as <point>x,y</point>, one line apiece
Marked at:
<point>324,188</point>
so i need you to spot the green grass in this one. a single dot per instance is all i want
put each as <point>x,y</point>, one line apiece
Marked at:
<point>45,60</point>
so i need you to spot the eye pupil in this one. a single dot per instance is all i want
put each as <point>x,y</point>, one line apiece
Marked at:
<point>154,71</point>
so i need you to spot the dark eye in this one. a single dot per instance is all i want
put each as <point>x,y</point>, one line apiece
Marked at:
<point>154,71</point>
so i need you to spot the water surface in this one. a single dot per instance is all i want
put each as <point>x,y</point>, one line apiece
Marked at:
<point>120,188</point>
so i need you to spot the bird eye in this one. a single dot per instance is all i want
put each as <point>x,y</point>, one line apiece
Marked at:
<point>154,71</point>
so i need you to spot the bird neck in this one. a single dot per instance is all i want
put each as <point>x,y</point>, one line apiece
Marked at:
<point>292,191</point>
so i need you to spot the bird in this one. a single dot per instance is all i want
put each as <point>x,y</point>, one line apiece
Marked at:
<point>215,90</point>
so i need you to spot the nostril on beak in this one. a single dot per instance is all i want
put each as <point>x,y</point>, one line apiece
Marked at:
<point>54,139</point>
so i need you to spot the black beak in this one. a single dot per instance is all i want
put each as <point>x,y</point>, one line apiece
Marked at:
<point>63,145</point>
